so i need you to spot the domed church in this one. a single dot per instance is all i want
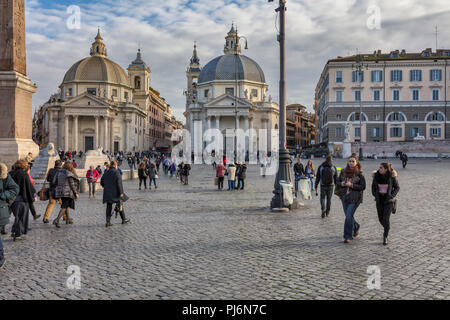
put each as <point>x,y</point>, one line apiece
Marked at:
<point>99,105</point>
<point>230,92</point>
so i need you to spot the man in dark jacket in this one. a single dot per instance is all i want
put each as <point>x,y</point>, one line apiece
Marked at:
<point>8,191</point>
<point>241,176</point>
<point>327,177</point>
<point>298,173</point>
<point>111,182</point>
<point>404,159</point>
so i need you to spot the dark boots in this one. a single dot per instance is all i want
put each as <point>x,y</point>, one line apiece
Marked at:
<point>122,216</point>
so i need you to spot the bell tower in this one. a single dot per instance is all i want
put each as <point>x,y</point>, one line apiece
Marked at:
<point>139,75</point>
<point>232,45</point>
<point>192,73</point>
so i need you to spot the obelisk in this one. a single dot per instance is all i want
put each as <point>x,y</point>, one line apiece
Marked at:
<point>15,88</point>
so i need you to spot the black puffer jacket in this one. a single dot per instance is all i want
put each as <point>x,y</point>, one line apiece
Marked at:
<point>392,182</point>
<point>356,193</point>
<point>112,184</point>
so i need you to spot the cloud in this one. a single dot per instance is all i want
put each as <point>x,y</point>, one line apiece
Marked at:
<point>316,31</point>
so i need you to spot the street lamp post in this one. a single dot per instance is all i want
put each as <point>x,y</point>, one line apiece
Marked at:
<point>284,167</point>
<point>358,66</point>
<point>236,55</point>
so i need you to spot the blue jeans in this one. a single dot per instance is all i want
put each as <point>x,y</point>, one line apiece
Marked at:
<point>231,184</point>
<point>150,182</point>
<point>1,249</point>
<point>312,181</point>
<point>297,177</point>
<point>350,225</point>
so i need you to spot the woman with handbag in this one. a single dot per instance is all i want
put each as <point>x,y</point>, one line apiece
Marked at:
<point>8,191</point>
<point>142,174</point>
<point>385,188</point>
<point>67,189</point>
<point>92,177</point>
<point>352,183</point>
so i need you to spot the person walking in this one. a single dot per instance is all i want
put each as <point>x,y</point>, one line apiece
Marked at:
<point>220,172</point>
<point>242,176</point>
<point>172,169</point>
<point>352,185</point>
<point>404,159</point>
<point>152,176</point>
<point>67,189</point>
<point>32,208</point>
<point>298,173</point>
<point>92,177</point>
<point>8,191</point>
<point>385,188</point>
<point>51,188</point>
<point>21,204</point>
<point>186,172</point>
<point>180,172</point>
<point>231,173</point>
<point>142,174</point>
<point>113,193</point>
<point>157,163</point>
<point>309,173</point>
<point>327,177</point>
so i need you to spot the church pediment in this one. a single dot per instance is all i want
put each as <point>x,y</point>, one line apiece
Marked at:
<point>227,100</point>
<point>86,100</point>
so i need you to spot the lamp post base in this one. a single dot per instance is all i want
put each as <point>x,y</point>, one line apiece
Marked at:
<point>284,173</point>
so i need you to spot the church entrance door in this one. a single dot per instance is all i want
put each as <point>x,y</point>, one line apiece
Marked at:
<point>88,143</point>
<point>116,146</point>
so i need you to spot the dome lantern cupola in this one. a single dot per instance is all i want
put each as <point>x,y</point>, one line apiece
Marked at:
<point>98,48</point>
<point>232,45</point>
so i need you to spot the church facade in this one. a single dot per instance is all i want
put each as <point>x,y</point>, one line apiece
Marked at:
<point>229,93</point>
<point>99,105</point>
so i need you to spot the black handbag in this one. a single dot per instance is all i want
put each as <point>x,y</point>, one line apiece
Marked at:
<point>394,206</point>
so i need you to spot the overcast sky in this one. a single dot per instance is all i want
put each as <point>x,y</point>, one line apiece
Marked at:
<point>317,30</point>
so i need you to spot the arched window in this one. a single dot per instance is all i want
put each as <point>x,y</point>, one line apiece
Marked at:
<point>355,116</point>
<point>97,49</point>
<point>137,82</point>
<point>396,117</point>
<point>435,116</point>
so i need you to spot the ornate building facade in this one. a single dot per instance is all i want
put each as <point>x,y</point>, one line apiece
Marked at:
<point>99,105</point>
<point>230,92</point>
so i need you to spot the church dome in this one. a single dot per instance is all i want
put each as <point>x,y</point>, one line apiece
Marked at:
<point>224,68</point>
<point>96,69</point>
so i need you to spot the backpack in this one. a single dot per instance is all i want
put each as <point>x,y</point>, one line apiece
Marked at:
<point>326,175</point>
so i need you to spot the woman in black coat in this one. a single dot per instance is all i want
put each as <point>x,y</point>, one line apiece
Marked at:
<point>21,204</point>
<point>385,188</point>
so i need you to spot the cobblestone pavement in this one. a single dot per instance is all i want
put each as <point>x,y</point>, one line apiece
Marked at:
<point>195,242</point>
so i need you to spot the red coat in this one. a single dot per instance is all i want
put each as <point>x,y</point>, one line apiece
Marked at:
<point>220,171</point>
<point>95,175</point>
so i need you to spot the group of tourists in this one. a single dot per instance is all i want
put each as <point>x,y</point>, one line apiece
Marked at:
<point>236,175</point>
<point>349,185</point>
<point>62,185</point>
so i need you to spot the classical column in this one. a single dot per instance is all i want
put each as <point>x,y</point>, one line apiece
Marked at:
<point>96,139</point>
<point>66,133</point>
<point>75,132</point>
<point>208,123</point>
<point>218,122</point>
<point>125,136</point>
<point>111,135</point>
<point>191,129</point>
<point>246,133</point>
<point>105,133</point>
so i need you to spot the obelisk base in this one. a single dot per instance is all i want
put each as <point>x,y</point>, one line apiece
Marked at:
<point>12,150</point>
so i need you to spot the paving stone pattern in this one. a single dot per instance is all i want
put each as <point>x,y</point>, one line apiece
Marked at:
<point>195,242</point>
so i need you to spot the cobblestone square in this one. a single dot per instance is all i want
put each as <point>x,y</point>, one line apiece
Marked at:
<point>195,242</point>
